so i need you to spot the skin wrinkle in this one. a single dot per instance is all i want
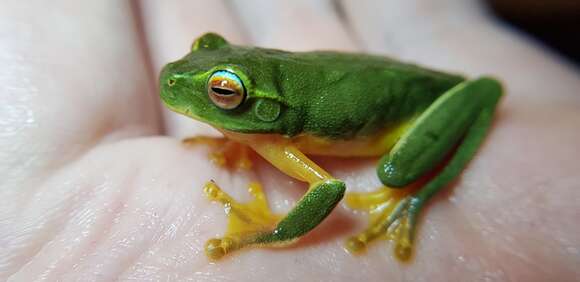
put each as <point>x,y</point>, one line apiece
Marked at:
<point>53,228</point>
<point>493,246</point>
<point>132,260</point>
<point>473,231</point>
<point>71,216</point>
<point>128,192</point>
<point>119,211</point>
<point>507,249</point>
<point>155,240</point>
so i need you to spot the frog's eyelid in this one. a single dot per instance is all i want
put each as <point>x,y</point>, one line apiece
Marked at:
<point>224,75</point>
<point>228,75</point>
<point>256,93</point>
<point>182,75</point>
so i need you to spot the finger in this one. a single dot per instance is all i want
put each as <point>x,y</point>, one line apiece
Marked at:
<point>407,28</point>
<point>171,27</point>
<point>297,25</point>
<point>461,36</point>
<point>72,75</point>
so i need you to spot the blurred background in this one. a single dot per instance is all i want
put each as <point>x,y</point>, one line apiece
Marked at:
<point>554,22</point>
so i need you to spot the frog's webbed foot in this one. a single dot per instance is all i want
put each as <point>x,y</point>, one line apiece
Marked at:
<point>225,153</point>
<point>253,224</point>
<point>392,217</point>
<point>246,221</point>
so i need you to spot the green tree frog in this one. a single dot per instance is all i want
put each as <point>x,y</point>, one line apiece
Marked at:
<point>425,126</point>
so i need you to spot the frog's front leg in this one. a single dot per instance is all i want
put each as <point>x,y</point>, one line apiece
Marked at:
<point>262,228</point>
<point>225,152</point>
<point>459,120</point>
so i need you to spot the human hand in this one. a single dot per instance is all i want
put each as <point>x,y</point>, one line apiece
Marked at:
<point>90,191</point>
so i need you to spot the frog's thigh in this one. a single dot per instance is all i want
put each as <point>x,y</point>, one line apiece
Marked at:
<point>436,132</point>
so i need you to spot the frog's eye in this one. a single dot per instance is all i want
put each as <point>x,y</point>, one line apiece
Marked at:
<point>225,89</point>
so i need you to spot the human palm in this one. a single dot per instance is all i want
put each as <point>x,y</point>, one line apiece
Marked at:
<point>90,189</point>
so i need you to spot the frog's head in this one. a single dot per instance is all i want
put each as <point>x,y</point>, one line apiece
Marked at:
<point>227,86</point>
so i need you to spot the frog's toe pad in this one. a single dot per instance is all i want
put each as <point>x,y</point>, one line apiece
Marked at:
<point>355,245</point>
<point>391,218</point>
<point>402,235</point>
<point>216,248</point>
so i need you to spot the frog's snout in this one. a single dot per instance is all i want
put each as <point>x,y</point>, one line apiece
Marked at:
<point>167,83</point>
<point>166,79</point>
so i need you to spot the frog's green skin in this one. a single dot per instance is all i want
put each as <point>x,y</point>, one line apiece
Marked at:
<point>311,101</point>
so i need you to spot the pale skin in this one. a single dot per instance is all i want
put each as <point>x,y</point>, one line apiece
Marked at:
<point>90,190</point>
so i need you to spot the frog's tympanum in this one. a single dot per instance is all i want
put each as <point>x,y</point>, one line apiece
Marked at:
<point>425,126</point>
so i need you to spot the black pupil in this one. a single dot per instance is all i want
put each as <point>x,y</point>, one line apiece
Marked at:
<point>223,91</point>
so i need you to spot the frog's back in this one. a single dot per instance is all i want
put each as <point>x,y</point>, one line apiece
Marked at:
<point>345,95</point>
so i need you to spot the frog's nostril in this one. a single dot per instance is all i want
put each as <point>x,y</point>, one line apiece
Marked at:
<point>171,82</point>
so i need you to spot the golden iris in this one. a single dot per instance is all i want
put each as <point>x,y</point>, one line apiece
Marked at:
<point>226,90</point>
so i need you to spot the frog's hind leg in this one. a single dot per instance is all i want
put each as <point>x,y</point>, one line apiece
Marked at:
<point>459,119</point>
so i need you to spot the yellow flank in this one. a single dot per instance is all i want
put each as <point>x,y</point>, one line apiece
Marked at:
<point>376,145</point>
<point>367,146</point>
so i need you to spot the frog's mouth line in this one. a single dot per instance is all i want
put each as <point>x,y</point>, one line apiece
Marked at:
<point>168,102</point>
<point>186,111</point>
